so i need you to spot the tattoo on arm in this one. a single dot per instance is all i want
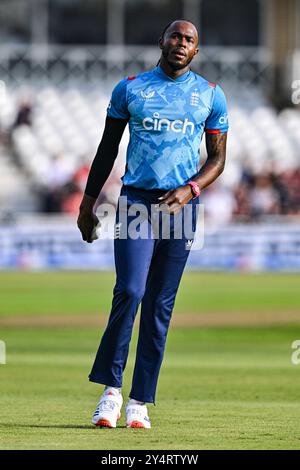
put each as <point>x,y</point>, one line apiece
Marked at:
<point>216,144</point>
<point>216,155</point>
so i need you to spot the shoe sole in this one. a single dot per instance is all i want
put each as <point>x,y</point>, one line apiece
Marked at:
<point>105,423</point>
<point>136,425</point>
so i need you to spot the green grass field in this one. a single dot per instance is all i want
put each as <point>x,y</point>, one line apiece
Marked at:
<point>221,387</point>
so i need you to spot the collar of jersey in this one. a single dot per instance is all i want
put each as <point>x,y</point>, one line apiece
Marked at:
<point>184,77</point>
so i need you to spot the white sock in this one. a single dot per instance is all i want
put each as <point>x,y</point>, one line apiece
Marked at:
<point>113,390</point>
<point>132,401</point>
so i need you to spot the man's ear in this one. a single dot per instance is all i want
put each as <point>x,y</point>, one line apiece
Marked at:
<point>161,43</point>
<point>196,51</point>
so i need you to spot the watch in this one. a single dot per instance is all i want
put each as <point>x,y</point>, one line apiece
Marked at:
<point>195,188</point>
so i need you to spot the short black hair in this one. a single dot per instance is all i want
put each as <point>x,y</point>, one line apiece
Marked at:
<point>174,21</point>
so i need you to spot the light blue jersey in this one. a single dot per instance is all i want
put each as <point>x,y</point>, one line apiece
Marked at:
<point>167,118</point>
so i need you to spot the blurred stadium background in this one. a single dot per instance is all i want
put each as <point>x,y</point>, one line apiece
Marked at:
<point>59,61</point>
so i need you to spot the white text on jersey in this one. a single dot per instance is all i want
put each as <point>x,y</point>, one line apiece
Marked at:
<point>156,123</point>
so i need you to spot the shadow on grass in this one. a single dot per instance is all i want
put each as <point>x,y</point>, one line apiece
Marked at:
<point>52,426</point>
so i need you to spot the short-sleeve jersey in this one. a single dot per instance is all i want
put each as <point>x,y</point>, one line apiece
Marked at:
<point>167,118</point>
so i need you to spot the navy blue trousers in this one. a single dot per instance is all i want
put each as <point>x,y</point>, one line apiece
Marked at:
<point>148,273</point>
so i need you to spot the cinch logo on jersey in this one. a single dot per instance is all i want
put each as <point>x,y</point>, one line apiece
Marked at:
<point>157,124</point>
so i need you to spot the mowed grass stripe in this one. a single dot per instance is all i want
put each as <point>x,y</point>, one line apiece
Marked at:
<point>220,388</point>
<point>75,293</point>
<point>186,320</point>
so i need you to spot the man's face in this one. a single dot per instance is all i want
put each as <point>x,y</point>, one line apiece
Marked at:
<point>179,44</point>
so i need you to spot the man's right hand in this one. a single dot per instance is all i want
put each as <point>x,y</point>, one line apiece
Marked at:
<point>87,220</point>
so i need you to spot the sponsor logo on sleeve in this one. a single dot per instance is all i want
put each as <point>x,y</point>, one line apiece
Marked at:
<point>223,119</point>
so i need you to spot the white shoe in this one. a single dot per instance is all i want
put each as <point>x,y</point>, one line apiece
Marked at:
<point>108,410</point>
<point>137,415</point>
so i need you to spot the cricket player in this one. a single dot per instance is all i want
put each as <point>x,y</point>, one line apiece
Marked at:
<point>168,109</point>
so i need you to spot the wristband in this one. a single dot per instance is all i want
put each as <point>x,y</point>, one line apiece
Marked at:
<point>195,188</point>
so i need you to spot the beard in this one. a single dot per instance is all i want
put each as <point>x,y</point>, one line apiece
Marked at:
<point>174,65</point>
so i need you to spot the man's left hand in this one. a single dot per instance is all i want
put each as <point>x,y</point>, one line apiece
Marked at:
<point>175,199</point>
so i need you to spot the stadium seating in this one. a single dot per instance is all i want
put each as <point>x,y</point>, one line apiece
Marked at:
<point>66,126</point>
